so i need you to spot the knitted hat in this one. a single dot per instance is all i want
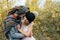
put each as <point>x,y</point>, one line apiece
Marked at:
<point>30,17</point>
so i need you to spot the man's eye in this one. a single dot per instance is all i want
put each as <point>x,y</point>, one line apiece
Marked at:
<point>23,16</point>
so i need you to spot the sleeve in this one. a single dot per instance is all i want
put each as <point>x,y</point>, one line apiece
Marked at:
<point>10,22</point>
<point>15,34</point>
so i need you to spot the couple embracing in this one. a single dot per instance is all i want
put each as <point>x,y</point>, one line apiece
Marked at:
<point>19,24</point>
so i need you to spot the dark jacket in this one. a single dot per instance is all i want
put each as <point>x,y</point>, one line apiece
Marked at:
<point>11,24</point>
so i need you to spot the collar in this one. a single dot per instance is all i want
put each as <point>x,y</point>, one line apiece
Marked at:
<point>15,17</point>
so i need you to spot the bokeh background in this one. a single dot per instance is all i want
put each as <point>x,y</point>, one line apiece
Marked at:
<point>46,26</point>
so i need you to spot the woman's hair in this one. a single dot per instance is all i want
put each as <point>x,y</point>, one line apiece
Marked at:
<point>19,10</point>
<point>30,17</point>
<point>12,10</point>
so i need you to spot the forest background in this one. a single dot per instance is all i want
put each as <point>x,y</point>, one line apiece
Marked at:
<point>46,26</point>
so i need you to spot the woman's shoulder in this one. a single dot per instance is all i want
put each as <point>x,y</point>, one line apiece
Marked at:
<point>31,24</point>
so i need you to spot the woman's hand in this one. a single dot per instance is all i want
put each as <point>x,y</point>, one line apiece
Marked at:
<point>28,33</point>
<point>31,34</point>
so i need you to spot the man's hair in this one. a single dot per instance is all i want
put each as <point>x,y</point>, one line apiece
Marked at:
<point>30,16</point>
<point>19,10</point>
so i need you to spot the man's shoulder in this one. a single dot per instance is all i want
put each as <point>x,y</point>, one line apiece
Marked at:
<point>10,16</point>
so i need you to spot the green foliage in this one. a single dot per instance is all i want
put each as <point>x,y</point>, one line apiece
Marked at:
<point>46,26</point>
<point>48,23</point>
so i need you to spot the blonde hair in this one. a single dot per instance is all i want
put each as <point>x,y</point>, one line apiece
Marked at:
<point>35,13</point>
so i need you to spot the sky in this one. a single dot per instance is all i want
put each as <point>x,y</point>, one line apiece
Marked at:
<point>56,0</point>
<point>41,3</point>
<point>22,2</point>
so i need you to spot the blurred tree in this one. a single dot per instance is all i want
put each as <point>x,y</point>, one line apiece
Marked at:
<point>5,5</point>
<point>33,4</point>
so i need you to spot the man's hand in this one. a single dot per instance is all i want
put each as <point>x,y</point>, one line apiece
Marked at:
<point>18,26</point>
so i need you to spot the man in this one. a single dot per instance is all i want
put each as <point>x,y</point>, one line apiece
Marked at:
<point>13,19</point>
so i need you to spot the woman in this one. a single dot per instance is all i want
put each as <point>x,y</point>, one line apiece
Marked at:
<point>27,26</point>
